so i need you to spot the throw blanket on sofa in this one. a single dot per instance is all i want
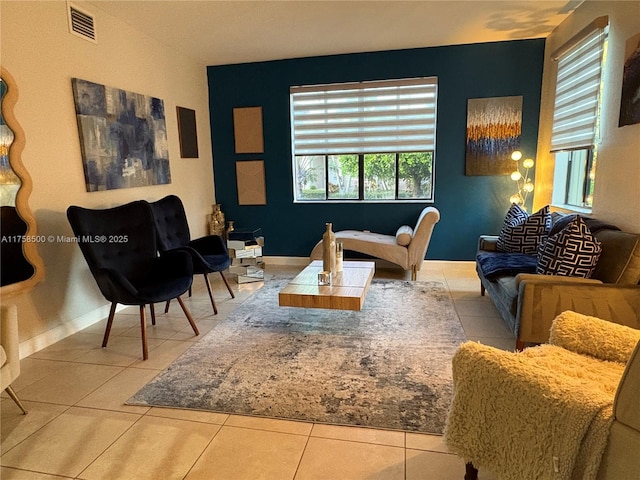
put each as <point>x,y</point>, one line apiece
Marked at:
<point>498,264</point>
<point>541,419</point>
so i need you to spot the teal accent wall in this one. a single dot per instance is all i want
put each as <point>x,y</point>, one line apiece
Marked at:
<point>469,205</point>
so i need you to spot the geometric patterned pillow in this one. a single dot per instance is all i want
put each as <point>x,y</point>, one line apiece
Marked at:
<point>523,233</point>
<point>572,252</point>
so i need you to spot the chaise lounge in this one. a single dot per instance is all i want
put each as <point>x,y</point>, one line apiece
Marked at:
<point>407,248</point>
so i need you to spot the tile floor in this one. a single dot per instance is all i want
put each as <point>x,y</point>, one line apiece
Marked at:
<point>78,426</point>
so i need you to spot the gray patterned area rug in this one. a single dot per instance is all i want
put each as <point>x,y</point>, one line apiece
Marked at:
<point>387,366</point>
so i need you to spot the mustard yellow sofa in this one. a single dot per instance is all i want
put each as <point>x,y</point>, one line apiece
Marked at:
<point>566,410</point>
<point>529,302</point>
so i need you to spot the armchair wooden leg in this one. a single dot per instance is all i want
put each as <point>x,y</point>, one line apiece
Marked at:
<point>107,331</point>
<point>153,313</point>
<point>520,345</point>
<point>166,307</point>
<point>471,472</point>
<point>482,290</point>
<point>414,272</point>
<point>213,302</point>
<point>143,331</point>
<point>189,317</point>
<point>15,398</point>
<point>227,284</point>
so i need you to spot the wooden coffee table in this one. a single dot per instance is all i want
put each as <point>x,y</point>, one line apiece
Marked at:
<point>346,292</point>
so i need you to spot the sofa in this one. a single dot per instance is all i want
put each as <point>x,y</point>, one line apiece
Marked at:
<point>407,248</point>
<point>566,410</point>
<point>528,302</point>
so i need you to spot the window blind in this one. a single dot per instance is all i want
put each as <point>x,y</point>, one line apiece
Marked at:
<point>576,107</point>
<point>366,117</point>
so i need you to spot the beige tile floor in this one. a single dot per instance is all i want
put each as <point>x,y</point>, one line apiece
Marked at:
<point>78,426</point>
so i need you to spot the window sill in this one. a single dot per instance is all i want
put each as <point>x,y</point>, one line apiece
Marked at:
<point>571,209</point>
<point>364,202</point>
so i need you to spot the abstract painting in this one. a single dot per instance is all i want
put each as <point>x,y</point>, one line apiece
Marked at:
<point>494,127</point>
<point>123,137</point>
<point>630,101</point>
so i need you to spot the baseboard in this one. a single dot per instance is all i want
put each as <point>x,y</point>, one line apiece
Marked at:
<point>449,263</point>
<point>65,330</point>
<point>302,261</point>
<point>61,332</point>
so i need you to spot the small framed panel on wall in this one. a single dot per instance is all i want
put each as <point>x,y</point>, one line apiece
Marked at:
<point>251,182</point>
<point>187,132</point>
<point>247,130</point>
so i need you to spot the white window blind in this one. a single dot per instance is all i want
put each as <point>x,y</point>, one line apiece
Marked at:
<point>576,107</point>
<point>367,117</point>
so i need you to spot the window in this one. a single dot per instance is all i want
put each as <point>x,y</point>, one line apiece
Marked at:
<point>576,115</point>
<point>367,141</point>
<point>572,168</point>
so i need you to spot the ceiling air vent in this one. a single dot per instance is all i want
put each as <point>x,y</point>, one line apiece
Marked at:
<point>81,23</point>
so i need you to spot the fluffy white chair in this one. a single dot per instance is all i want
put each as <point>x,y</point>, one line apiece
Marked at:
<point>9,351</point>
<point>566,410</point>
<point>407,248</point>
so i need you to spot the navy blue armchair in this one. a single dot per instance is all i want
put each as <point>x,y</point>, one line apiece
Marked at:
<point>119,245</point>
<point>14,266</point>
<point>209,253</point>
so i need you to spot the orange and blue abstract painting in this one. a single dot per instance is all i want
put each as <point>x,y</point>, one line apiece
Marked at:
<point>494,128</point>
<point>123,137</point>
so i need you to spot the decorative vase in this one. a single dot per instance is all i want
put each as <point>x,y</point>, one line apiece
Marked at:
<point>329,250</point>
<point>230,228</point>
<point>216,221</point>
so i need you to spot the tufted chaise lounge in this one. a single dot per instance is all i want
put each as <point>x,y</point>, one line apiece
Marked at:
<point>386,247</point>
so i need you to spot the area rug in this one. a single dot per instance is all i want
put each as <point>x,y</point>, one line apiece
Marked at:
<point>387,366</point>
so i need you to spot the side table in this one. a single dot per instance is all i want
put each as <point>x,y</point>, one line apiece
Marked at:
<point>247,264</point>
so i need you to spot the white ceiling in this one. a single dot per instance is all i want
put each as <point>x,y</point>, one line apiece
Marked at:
<point>219,32</point>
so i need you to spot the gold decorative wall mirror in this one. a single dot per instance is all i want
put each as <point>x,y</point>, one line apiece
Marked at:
<point>21,265</point>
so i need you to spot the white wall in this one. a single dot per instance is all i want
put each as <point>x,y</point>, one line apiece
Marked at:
<point>40,53</point>
<point>617,191</point>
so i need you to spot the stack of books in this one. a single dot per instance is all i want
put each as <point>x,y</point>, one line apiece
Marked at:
<point>245,249</point>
